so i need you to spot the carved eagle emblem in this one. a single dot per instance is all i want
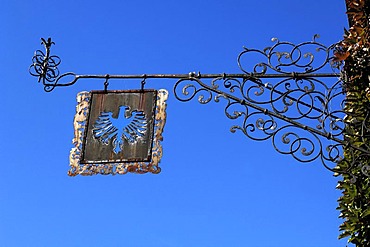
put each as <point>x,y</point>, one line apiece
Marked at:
<point>130,125</point>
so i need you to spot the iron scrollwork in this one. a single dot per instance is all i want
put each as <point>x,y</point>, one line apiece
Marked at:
<point>286,57</point>
<point>283,98</point>
<point>45,67</point>
<point>302,115</point>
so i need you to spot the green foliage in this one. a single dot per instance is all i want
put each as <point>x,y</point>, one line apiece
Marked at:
<point>354,204</point>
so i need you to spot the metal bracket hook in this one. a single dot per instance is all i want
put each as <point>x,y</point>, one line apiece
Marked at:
<point>143,82</point>
<point>106,83</point>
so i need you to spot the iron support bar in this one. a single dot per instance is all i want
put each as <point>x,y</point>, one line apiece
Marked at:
<point>206,76</point>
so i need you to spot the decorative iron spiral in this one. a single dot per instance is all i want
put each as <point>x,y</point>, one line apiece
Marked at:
<point>272,111</point>
<point>286,57</point>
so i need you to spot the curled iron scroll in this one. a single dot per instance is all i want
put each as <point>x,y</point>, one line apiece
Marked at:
<point>286,57</point>
<point>45,67</point>
<point>258,124</point>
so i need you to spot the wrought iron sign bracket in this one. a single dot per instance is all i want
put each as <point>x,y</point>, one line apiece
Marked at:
<point>291,105</point>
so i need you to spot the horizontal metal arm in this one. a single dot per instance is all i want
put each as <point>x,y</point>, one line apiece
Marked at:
<point>207,76</point>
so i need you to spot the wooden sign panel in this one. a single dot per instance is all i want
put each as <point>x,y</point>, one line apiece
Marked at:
<point>118,132</point>
<point>120,127</point>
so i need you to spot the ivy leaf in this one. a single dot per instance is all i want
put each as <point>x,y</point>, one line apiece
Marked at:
<point>365,213</point>
<point>340,56</point>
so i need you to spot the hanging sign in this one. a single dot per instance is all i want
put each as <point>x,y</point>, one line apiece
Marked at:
<point>116,132</point>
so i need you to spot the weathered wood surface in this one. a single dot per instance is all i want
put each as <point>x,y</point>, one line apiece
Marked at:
<point>94,151</point>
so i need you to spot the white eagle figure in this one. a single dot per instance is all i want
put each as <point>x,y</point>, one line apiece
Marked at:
<point>130,126</point>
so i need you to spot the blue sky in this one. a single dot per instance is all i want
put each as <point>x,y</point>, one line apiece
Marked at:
<point>215,189</point>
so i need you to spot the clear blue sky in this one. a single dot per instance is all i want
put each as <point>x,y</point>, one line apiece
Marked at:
<point>216,188</point>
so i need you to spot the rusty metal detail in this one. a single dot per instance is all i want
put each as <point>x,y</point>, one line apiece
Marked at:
<point>140,136</point>
<point>79,123</point>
